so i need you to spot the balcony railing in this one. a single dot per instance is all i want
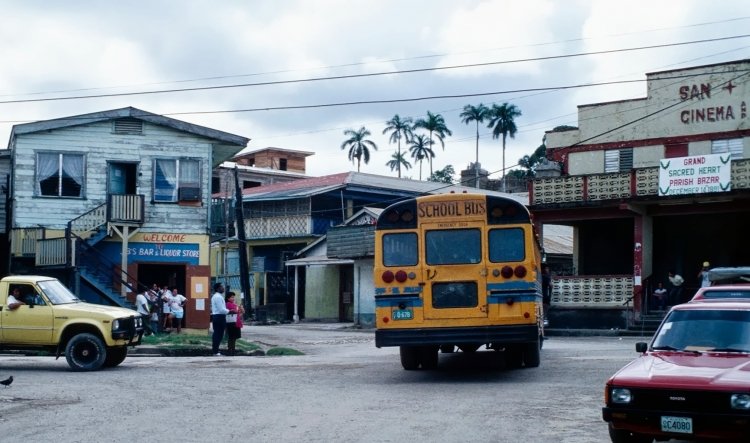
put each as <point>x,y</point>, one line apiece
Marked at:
<point>287,226</point>
<point>637,183</point>
<point>592,291</point>
<point>23,240</point>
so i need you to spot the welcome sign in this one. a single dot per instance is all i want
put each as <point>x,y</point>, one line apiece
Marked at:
<point>697,174</point>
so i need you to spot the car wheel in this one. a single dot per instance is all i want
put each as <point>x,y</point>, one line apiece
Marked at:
<point>410,357</point>
<point>429,357</point>
<point>623,436</point>
<point>115,356</point>
<point>85,352</point>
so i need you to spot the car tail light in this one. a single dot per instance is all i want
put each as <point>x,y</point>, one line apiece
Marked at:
<point>388,276</point>
<point>520,271</point>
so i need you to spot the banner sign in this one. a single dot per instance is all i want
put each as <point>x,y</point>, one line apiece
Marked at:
<point>697,174</point>
<point>154,252</point>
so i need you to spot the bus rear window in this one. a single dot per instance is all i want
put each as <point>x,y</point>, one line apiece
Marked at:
<point>400,249</point>
<point>453,247</point>
<point>507,245</point>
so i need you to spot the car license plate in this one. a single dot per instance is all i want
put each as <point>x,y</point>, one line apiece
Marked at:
<point>402,314</point>
<point>681,425</point>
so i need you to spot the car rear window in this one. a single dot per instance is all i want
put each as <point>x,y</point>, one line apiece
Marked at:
<point>735,293</point>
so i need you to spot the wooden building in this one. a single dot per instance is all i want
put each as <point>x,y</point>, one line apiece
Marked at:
<point>113,201</point>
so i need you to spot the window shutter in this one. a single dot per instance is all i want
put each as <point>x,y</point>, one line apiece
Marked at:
<point>128,126</point>
<point>612,161</point>
<point>733,146</point>
<point>626,159</point>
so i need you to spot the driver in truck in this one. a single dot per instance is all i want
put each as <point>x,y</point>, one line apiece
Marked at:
<point>14,299</point>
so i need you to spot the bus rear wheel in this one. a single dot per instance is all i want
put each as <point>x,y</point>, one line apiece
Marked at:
<point>410,357</point>
<point>429,357</point>
<point>531,354</point>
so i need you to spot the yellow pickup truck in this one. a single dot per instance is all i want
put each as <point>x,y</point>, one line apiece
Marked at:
<point>40,313</point>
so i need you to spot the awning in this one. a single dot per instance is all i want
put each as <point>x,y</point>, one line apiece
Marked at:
<point>318,261</point>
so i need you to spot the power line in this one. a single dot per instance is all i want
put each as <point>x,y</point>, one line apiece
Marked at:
<point>376,74</point>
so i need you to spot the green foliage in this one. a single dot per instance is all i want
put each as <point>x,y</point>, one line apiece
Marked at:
<point>359,145</point>
<point>444,175</point>
<point>188,341</point>
<point>283,351</point>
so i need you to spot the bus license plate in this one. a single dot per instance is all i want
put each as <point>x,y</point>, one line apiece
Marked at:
<point>402,314</point>
<point>681,425</point>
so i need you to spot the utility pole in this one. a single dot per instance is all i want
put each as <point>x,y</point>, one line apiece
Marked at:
<point>242,243</point>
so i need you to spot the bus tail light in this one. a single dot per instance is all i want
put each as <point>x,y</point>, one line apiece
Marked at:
<point>386,319</point>
<point>387,276</point>
<point>520,271</point>
<point>400,276</point>
<point>506,272</point>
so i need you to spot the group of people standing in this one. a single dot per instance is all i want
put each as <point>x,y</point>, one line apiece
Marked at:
<point>163,309</point>
<point>663,297</point>
<point>226,315</point>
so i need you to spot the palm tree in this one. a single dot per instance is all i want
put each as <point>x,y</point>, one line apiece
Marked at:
<point>399,128</point>
<point>420,149</point>
<point>476,114</point>
<point>358,145</point>
<point>396,161</point>
<point>502,123</point>
<point>435,125</point>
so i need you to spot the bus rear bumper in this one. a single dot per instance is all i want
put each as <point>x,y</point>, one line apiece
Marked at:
<point>442,336</point>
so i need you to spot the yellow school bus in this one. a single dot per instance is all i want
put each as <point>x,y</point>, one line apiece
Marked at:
<point>458,271</point>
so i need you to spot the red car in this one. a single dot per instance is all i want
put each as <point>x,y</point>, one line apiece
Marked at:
<point>691,382</point>
<point>726,283</point>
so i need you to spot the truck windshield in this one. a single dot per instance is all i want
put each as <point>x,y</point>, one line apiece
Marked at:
<point>57,293</point>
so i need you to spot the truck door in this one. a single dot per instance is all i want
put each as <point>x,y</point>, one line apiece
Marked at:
<point>29,323</point>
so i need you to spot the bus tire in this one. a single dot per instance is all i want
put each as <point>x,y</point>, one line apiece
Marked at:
<point>410,357</point>
<point>531,354</point>
<point>429,357</point>
<point>513,356</point>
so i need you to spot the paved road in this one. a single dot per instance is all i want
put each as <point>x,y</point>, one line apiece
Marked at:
<point>342,389</point>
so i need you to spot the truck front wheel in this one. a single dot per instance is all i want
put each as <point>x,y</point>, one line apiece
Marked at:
<point>115,356</point>
<point>85,352</point>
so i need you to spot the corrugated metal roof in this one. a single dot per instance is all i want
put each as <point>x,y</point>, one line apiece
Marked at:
<point>319,185</point>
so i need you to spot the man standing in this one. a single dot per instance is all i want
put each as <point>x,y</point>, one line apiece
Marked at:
<point>219,313</point>
<point>675,294</point>
<point>703,275</point>
<point>141,305</point>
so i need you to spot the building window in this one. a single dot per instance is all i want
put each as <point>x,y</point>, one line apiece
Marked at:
<point>282,164</point>
<point>177,180</point>
<point>618,160</point>
<point>733,146</point>
<point>60,175</point>
<point>676,150</point>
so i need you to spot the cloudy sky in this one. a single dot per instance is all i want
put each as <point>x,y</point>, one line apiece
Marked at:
<point>277,71</point>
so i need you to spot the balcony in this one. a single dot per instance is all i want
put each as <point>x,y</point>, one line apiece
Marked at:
<point>286,226</point>
<point>642,182</point>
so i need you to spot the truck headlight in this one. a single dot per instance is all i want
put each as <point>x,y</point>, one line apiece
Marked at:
<point>740,401</point>
<point>621,396</point>
<point>115,325</point>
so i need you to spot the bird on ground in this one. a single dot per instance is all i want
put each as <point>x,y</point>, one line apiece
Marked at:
<point>7,381</point>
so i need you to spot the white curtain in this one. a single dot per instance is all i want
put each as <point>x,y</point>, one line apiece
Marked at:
<point>46,167</point>
<point>190,173</point>
<point>72,166</point>
<point>165,180</point>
